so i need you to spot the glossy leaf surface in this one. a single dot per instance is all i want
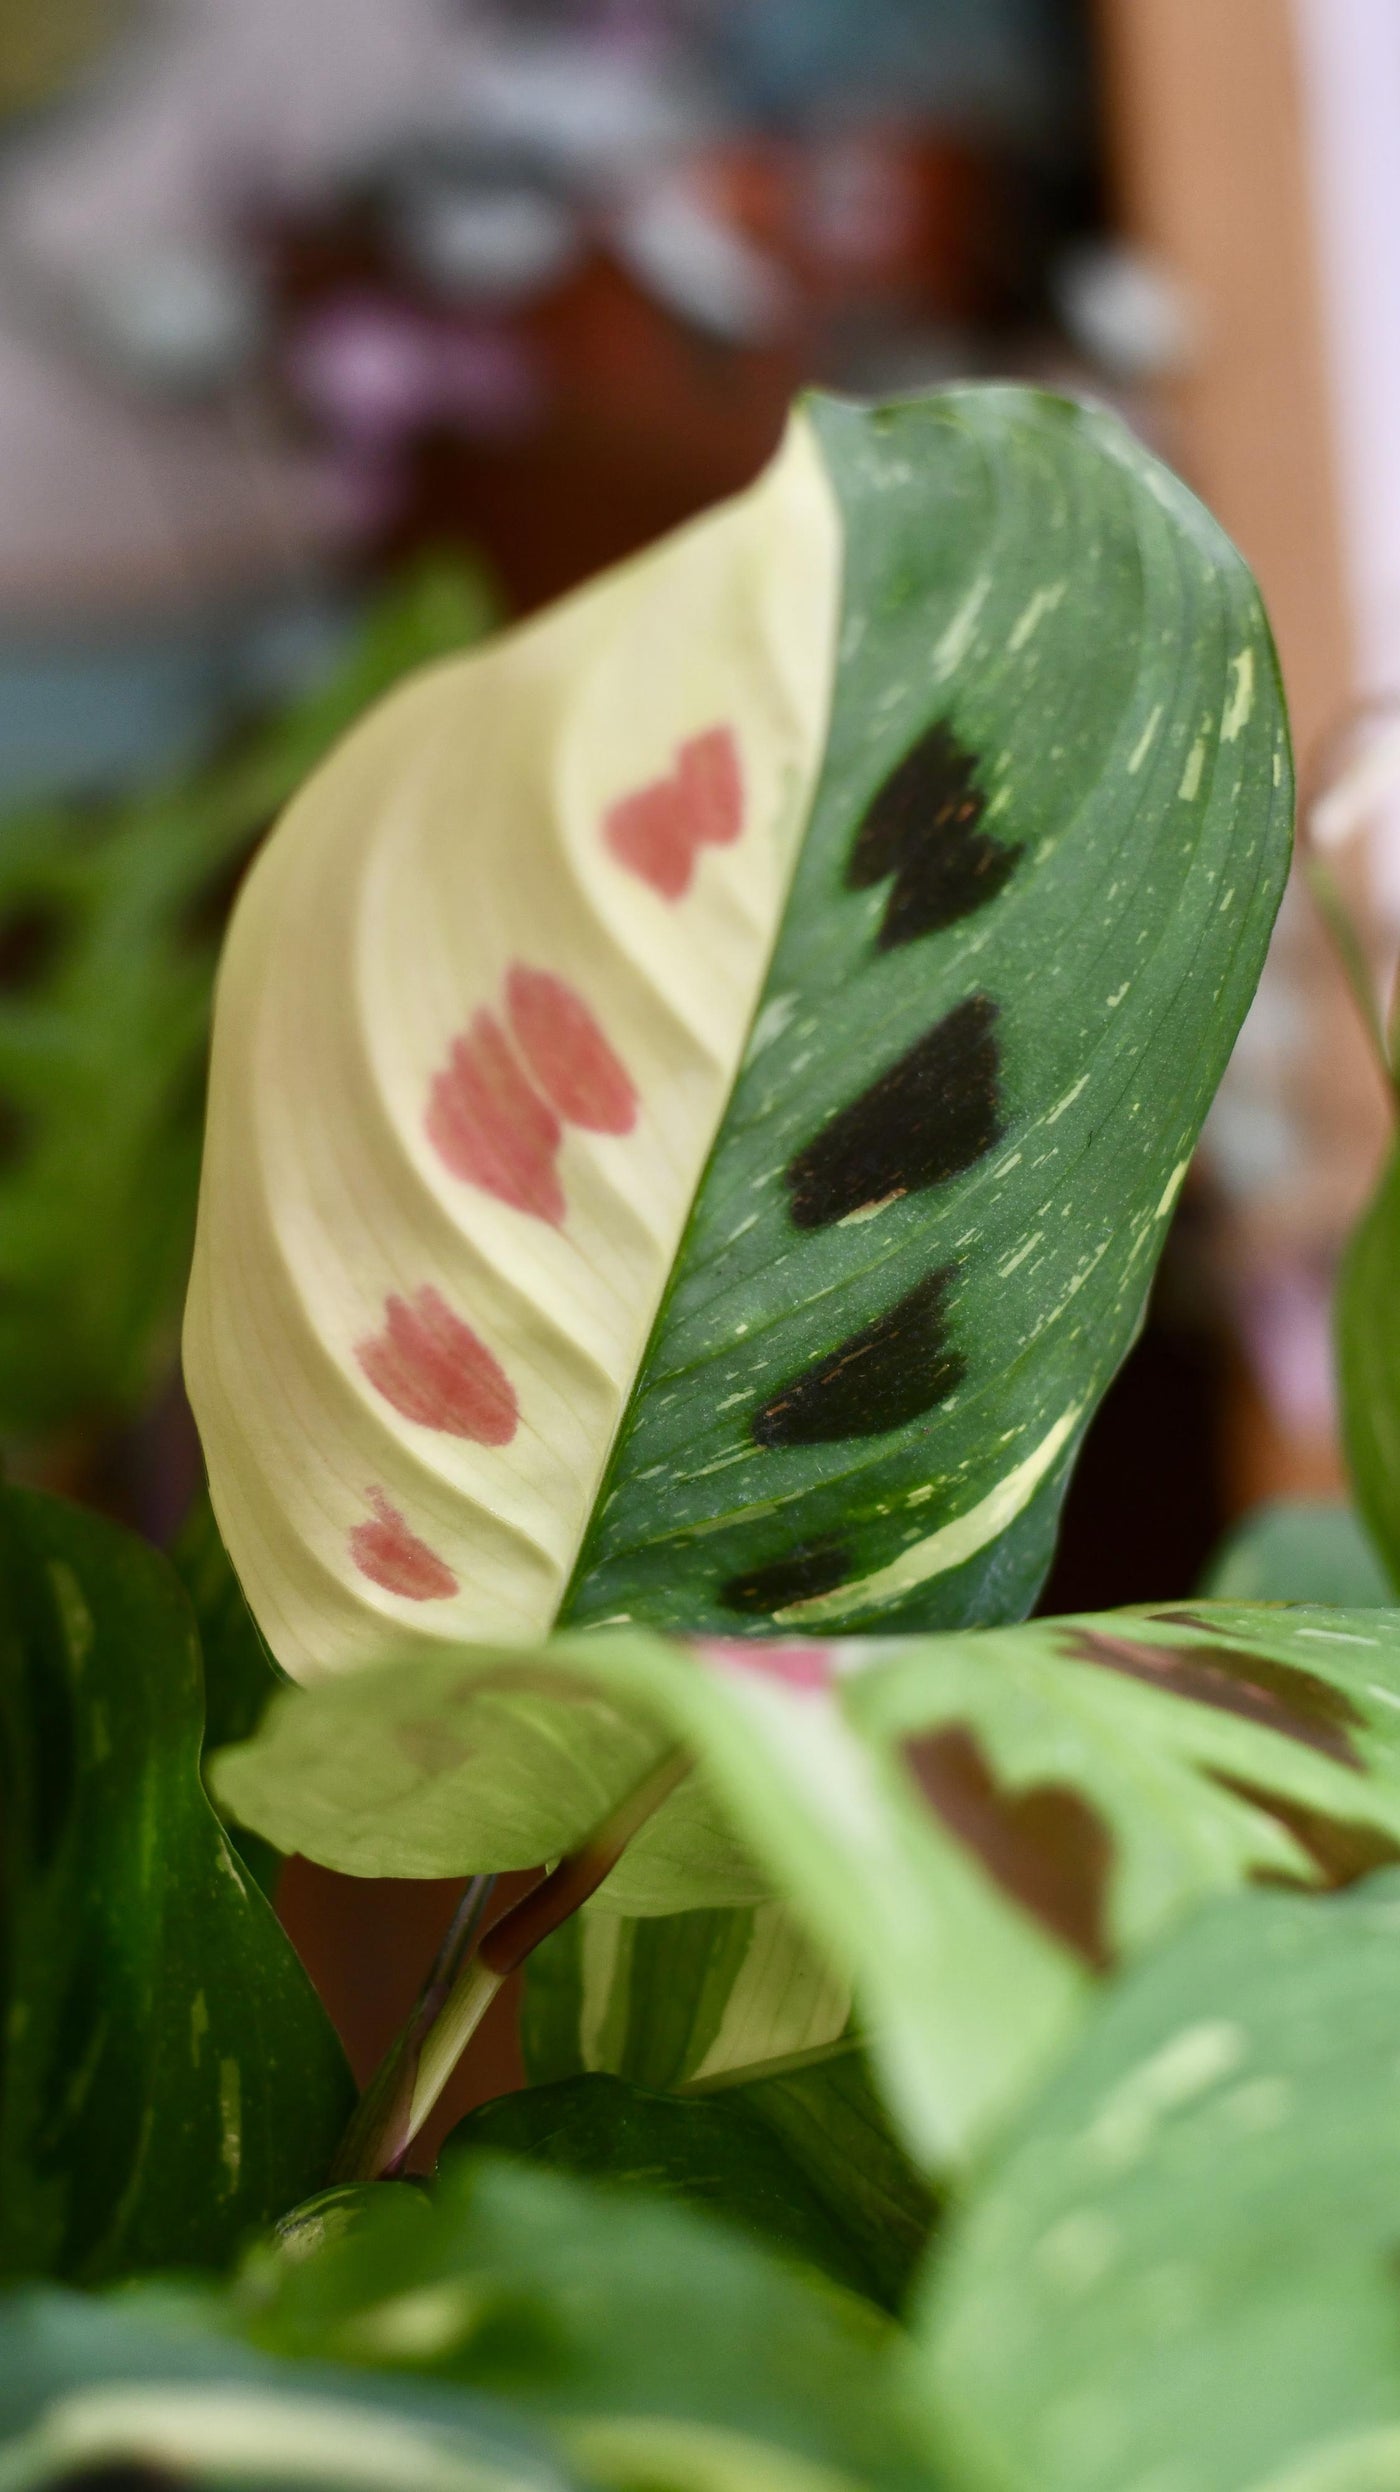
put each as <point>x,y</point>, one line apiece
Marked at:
<point>660,2346</point>
<point>699,1088</point>
<point>1368,1363</point>
<point>1181,2266</point>
<point>972,1828</point>
<point>169,2078</point>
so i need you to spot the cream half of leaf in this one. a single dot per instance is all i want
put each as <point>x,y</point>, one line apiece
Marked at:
<point>481,1010</point>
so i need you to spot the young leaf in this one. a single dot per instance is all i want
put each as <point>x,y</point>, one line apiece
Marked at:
<point>662,2347</point>
<point>126,2399</point>
<point>1368,1365</point>
<point>169,2079</point>
<point>1295,1551</point>
<point>972,1828</point>
<point>1181,2266</point>
<point>693,1999</point>
<point>890,857</point>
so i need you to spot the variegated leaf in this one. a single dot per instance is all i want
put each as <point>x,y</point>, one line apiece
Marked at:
<point>699,1087</point>
<point>971,1828</point>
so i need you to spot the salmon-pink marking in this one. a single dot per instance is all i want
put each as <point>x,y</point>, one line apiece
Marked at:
<point>489,1126</point>
<point>657,830</point>
<point>395,1558</point>
<point>433,1368</point>
<point>568,1054</point>
<point>806,1666</point>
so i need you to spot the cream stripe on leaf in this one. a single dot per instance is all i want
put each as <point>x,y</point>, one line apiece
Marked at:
<point>697,1085</point>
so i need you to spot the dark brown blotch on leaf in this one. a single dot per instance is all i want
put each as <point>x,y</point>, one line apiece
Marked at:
<point>1341,1850</point>
<point>889,1373</point>
<point>814,1567</point>
<point>923,827</point>
<point>933,1114</point>
<point>1272,1694</point>
<point>1044,1846</point>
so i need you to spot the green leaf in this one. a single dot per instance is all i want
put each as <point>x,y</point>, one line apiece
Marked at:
<point>971,1828</point>
<point>709,2151</point>
<point>110,919</point>
<point>890,857</point>
<point>735,2008</point>
<point>1180,2268</point>
<point>1368,1365</point>
<point>169,2079</point>
<point>692,1999</point>
<point>240,1675</point>
<point>1294,1551</point>
<point>662,2347</point>
<point>100,2395</point>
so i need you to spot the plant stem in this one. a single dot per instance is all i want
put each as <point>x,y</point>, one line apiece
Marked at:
<point>518,1932</point>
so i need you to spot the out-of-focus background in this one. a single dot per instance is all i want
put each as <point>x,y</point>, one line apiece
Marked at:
<point>332,331</point>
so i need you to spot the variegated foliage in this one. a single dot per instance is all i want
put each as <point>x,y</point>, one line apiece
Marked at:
<point>970,1829</point>
<point>700,1086</point>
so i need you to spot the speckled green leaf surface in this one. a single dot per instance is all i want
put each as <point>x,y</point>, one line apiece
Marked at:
<point>1180,2267</point>
<point>169,2079</point>
<point>714,1193</point>
<point>1368,1362</point>
<point>971,1828</point>
<point>1077,664</point>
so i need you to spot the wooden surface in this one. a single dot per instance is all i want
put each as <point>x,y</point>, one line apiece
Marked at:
<point>1209,168</point>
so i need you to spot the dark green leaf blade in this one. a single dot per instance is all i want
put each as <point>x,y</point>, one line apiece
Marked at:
<point>710,2151</point>
<point>1181,2266</point>
<point>924,1238</point>
<point>169,2078</point>
<point>240,1675</point>
<point>1368,1362</point>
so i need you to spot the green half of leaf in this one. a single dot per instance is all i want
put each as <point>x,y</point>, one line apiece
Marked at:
<point>1181,2267</point>
<point>169,2079</point>
<point>970,1829</point>
<point>699,1088</point>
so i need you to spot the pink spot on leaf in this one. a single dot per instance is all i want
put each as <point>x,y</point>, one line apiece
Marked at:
<point>806,1666</point>
<point>657,831</point>
<point>396,1559</point>
<point>432,1367</point>
<point>489,1126</point>
<point>568,1054</point>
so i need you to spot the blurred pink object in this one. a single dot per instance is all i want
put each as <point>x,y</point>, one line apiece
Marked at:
<point>1285,1315</point>
<point>375,373</point>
